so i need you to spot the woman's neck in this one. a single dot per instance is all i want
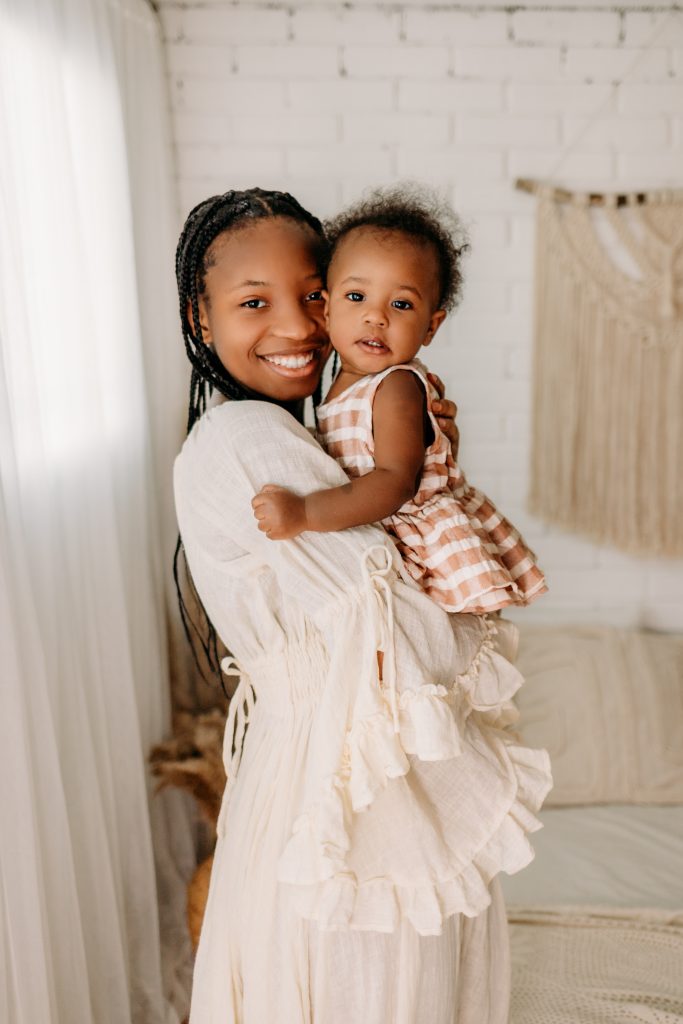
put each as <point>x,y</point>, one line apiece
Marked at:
<point>296,409</point>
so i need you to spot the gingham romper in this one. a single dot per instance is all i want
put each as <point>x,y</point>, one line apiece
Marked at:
<point>453,540</point>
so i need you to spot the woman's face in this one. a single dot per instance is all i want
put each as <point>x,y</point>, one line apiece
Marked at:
<point>262,309</point>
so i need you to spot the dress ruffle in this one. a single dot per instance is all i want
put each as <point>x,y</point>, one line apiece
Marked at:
<point>391,754</point>
<point>488,566</point>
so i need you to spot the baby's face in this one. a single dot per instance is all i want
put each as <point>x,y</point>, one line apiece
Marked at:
<point>383,291</point>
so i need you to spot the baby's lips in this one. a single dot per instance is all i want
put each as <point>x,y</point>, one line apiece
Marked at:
<point>368,339</point>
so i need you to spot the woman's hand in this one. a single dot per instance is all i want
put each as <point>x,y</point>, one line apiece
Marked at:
<point>281,514</point>
<point>445,412</point>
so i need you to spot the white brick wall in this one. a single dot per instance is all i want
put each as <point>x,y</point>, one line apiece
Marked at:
<point>325,98</point>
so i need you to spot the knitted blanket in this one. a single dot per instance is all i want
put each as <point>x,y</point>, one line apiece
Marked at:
<point>593,965</point>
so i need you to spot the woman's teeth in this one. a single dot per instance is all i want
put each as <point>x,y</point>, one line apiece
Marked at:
<point>291,362</point>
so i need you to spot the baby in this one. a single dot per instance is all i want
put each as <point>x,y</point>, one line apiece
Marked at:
<point>393,276</point>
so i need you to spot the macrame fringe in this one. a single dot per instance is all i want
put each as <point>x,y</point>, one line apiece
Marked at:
<point>607,454</point>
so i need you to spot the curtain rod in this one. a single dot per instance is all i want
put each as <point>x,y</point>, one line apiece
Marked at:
<point>563,195</point>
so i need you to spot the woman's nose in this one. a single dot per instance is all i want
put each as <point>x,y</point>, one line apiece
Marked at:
<point>297,324</point>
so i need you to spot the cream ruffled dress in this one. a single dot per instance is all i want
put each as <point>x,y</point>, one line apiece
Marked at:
<point>358,844</point>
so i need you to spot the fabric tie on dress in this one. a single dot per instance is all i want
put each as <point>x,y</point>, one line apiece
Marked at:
<point>378,585</point>
<point>235,728</point>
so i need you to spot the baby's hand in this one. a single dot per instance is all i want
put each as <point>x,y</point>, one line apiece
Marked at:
<point>281,514</point>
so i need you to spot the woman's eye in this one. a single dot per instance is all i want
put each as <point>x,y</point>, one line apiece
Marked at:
<point>355,296</point>
<point>254,304</point>
<point>315,296</point>
<point>402,304</point>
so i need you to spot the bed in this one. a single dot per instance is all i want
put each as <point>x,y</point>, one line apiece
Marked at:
<point>596,920</point>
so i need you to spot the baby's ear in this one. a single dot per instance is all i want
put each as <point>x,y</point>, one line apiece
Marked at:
<point>435,321</point>
<point>326,296</point>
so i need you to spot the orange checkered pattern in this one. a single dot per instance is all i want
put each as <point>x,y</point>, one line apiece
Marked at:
<point>452,538</point>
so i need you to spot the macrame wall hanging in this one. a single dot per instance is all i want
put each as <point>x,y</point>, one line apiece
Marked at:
<point>607,437</point>
<point>607,450</point>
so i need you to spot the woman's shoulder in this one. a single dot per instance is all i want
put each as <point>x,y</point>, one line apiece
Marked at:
<point>230,416</point>
<point>238,441</point>
<point>237,427</point>
<point>226,448</point>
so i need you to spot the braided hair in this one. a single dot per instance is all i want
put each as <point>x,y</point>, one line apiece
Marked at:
<point>208,220</point>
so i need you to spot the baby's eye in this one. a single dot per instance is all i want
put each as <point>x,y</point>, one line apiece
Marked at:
<point>402,304</point>
<point>355,296</point>
<point>315,296</point>
<point>254,304</point>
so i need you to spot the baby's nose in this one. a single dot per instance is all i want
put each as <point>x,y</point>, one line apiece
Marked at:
<point>375,315</point>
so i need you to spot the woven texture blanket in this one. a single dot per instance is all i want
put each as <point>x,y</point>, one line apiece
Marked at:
<point>587,965</point>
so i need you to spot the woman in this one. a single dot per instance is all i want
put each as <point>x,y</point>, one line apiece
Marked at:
<point>377,796</point>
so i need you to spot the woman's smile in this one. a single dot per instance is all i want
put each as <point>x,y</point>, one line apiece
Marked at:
<point>296,365</point>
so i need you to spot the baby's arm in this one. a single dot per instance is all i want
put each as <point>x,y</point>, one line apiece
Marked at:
<point>399,435</point>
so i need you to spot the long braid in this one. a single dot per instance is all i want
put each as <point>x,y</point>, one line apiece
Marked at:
<point>209,219</point>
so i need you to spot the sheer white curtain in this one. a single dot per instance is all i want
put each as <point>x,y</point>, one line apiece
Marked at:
<point>88,349</point>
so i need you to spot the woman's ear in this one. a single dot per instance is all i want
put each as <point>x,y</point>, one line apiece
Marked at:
<point>203,321</point>
<point>435,321</point>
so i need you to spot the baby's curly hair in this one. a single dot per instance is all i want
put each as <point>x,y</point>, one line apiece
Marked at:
<point>418,212</point>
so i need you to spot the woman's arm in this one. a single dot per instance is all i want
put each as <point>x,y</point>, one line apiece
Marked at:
<point>399,439</point>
